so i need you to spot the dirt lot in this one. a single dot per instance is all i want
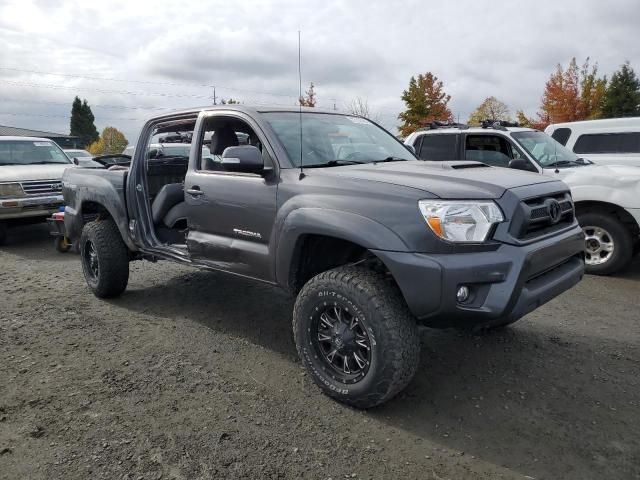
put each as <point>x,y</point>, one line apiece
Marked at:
<point>194,375</point>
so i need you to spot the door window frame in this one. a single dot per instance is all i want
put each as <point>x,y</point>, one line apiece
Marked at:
<point>196,147</point>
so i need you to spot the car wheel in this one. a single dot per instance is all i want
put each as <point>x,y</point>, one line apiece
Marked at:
<point>61,244</point>
<point>105,258</point>
<point>3,233</point>
<point>608,243</point>
<point>356,336</point>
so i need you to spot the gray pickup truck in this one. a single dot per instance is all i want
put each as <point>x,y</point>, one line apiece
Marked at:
<point>333,208</point>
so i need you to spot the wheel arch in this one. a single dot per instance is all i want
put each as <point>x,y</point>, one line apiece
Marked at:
<point>597,206</point>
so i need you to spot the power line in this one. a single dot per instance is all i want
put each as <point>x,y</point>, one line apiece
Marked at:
<point>93,105</point>
<point>67,116</point>
<point>147,82</point>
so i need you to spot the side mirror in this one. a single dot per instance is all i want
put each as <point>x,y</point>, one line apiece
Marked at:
<point>76,161</point>
<point>245,159</point>
<point>411,148</point>
<point>521,164</point>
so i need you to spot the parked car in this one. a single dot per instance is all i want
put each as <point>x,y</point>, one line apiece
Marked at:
<point>371,240</point>
<point>30,180</point>
<point>607,198</point>
<point>612,141</point>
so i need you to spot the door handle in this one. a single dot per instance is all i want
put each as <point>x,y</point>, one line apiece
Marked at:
<point>195,191</point>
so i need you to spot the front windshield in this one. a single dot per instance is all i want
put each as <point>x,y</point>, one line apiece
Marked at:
<point>329,139</point>
<point>544,149</point>
<point>31,152</point>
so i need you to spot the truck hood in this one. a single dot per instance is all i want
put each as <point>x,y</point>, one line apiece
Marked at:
<point>20,173</point>
<point>451,180</point>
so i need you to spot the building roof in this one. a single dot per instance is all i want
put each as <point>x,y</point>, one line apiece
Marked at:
<point>25,132</point>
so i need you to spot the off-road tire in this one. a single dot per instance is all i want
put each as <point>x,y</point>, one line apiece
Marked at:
<point>3,233</point>
<point>392,330</point>
<point>61,244</point>
<point>112,256</point>
<point>622,239</point>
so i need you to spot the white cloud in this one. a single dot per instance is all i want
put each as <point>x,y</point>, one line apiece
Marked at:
<point>350,48</point>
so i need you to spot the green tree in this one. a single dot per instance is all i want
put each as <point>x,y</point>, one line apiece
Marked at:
<point>309,98</point>
<point>229,101</point>
<point>622,97</point>
<point>82,122</point>
<point>426,101</point>
<point>592,90</point>
<point>111,141</point>
<point>490,109</point>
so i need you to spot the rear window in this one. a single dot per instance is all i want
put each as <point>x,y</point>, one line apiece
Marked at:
<point>608,143</point>
<point>561,135</point>
<point>438,147</point>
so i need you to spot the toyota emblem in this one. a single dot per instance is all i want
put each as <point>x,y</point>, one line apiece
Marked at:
<point>554,210</point>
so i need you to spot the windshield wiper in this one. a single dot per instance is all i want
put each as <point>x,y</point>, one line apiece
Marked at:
<point>334,163</point>
<point>390,159</point>
<point>45,163</point>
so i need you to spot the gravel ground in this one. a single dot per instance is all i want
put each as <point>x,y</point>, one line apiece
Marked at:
<point>193,374</point>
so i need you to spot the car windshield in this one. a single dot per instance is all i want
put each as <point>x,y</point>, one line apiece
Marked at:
<point>31,152</point>
<point>329,140</point>
<point>545,150</point>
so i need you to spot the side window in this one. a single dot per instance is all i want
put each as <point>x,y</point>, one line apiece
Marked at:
<point>490,149</point>
<point>218,134</point>
<point>439,147</point>
<point>608,143</point>
<point>561,135</point>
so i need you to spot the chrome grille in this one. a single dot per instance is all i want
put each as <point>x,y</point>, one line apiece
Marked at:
<point>42,187</point>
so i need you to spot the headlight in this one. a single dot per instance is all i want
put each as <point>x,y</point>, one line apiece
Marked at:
<point>461,220</point>
<point>11,190</point>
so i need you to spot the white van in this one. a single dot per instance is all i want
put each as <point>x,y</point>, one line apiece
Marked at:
<point>612,141</point>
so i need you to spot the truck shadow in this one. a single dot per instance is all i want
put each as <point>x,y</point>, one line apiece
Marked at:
<point>533,398</point>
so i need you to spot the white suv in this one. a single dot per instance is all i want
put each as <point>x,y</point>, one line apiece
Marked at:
<point>614,141</point>
<point>30,180</point>
<point>607,197</point>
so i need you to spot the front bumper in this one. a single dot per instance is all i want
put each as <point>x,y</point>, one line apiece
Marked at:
<point>23,207</point>
<point>505,284</point>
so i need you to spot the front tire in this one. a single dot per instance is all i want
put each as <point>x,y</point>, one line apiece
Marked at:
<point>355,335</point>
<point>105,258</point>
<point>608,243</point>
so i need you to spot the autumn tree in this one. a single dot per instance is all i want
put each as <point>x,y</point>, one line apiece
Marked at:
<point>426,101</point>
<point>571,94</point>
<point>82,122</point>
<point>111,141</point>
<point>622,97</point>
<point>309,98</point>
<point>490,109</point>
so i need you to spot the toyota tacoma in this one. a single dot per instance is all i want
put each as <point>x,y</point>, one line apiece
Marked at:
<point>333,208</point>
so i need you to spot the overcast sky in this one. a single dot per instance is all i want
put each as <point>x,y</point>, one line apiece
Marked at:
<point>165,55</point>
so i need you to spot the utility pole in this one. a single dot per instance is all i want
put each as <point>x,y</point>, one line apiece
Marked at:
<point>214,96</point>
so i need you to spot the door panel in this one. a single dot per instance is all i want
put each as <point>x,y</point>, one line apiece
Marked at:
<point>230,221</point>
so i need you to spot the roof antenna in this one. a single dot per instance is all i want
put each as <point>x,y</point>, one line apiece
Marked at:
<point>300,104</point>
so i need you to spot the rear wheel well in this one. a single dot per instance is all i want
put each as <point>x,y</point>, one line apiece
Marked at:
<point>92,211</point>
<point>315,254</point>
<point>610,209</point>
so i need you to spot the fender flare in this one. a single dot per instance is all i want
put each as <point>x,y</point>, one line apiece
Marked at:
<point>331,223</point>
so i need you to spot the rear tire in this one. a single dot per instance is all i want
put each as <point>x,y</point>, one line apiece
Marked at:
<point>3,233</point>
<point>608,243</point>
<point>105,258</point>
<point>364,318</point>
